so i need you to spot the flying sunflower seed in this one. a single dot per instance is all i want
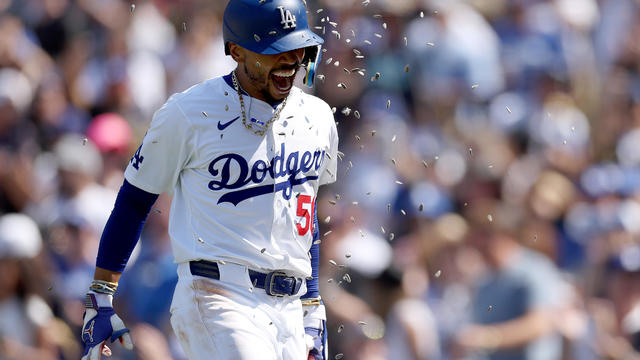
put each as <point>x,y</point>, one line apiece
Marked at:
<point>384,26</point>
<point>200,240</point>
<point>226,108</point>
<point>378,35</point>
<point>490,308</point>
<point>341,85</point>
<point>256,37</point>
<point>346,111</point>
<point>438,273</point>
<point>347,255</point>
<point>388,207</point>
<point>132,8</point>
<point>403,212</point>
<point>474,86</point>
<point>421,14</point>
<point>406,41</point>
<point>406,68</point>
<point>332,202</point>
<point>262,252</point>
<point>424,163</point>
<point>333,262</point>
<point>339,356</point>
<point>362,323</point>
<point>431,44</point>
<point>358,137</point>
<point>388,103</point>
<point>367,42</point>
<point>377,16</point>
<point>272,32</point>
<point>327,219</point>
<point>382,229</point>
<point>398,182</point>
<point>353,220</point>
<point>356,113</point>
<point>205,114</point>
<point>393,139</point>
<point>373,133</point>
<point>327,233</point>
<point>490,218</point>
<point>184,26</point>
<point>84,141</point>
<point>470,152</point>
<point>509,110</point>
<point>421,207</point>
<point>347,278</point>
<point>340,328</point>
<point>392,236</point>
<point>328,61</point>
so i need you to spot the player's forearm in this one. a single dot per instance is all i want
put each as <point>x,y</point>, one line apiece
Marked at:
<point>123,228</point>
<point>106,275</point>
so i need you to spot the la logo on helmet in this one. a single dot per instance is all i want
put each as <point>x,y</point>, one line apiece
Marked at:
<point>288,19</point>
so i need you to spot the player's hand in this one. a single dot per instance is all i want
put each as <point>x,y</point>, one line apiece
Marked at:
<point>315,328</point>
<point>101,323</point>
<point>316,341</point>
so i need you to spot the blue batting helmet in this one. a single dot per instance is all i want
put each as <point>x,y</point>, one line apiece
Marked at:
<point>272,27</point>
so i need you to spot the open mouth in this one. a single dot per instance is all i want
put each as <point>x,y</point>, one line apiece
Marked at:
<point>283,80</point>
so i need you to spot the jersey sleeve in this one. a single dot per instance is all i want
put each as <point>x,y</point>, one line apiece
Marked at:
<point>330,173</point>
<point>165,150</point>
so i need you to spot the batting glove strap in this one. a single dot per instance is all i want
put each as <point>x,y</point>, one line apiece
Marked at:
<point>314,315</point>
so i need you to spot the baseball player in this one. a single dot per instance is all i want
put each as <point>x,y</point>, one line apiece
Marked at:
<point>243,156</point>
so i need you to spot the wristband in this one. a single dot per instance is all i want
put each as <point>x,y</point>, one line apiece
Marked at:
<point>103,287</point>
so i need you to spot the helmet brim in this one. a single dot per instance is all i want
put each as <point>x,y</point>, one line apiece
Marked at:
<point>292,41</point>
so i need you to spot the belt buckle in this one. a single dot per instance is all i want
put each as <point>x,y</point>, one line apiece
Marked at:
<point>270,281</point>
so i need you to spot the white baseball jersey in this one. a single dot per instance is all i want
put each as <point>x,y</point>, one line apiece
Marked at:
<point>238,196</point>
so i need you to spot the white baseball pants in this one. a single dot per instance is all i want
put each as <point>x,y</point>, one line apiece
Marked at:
<point>224,319</point>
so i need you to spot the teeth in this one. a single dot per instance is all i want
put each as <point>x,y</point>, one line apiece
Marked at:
<point>284,73</point>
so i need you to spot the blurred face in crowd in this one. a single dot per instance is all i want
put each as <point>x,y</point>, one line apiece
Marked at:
<point>266,77</point>
<point>10,271</point>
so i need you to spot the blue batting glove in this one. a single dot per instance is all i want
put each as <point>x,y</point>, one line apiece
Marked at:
<point>315,328</point>
<point>101,323</point>
<point>319,336</point>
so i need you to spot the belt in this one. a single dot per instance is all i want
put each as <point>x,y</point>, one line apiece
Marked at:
<point>275,283</point>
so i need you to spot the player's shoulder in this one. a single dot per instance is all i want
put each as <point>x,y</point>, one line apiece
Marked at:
<point>208,89</point>
<point>197,99</point>
<point>312,101</point>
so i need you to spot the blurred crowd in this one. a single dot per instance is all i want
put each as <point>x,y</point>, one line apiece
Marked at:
<point>488,201</point>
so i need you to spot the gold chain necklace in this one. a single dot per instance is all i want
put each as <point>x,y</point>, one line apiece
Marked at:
<point>275,116</point>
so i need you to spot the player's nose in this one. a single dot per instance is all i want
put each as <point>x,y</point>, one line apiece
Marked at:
<point>290,58</point>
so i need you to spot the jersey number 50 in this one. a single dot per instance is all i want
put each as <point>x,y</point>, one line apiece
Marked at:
<point>305,209</point>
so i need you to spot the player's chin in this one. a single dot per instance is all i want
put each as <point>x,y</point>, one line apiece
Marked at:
<point>280,86</point>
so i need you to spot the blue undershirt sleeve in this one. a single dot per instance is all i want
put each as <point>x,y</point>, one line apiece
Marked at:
<point>313,290</point>
<point>123,229</point>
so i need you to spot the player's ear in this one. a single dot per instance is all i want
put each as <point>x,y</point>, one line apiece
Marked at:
<point>237,52</point>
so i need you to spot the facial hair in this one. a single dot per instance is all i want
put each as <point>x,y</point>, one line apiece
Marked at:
<point>260,80</point>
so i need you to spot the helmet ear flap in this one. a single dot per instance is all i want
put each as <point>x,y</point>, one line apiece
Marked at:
<point>312,55</point>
